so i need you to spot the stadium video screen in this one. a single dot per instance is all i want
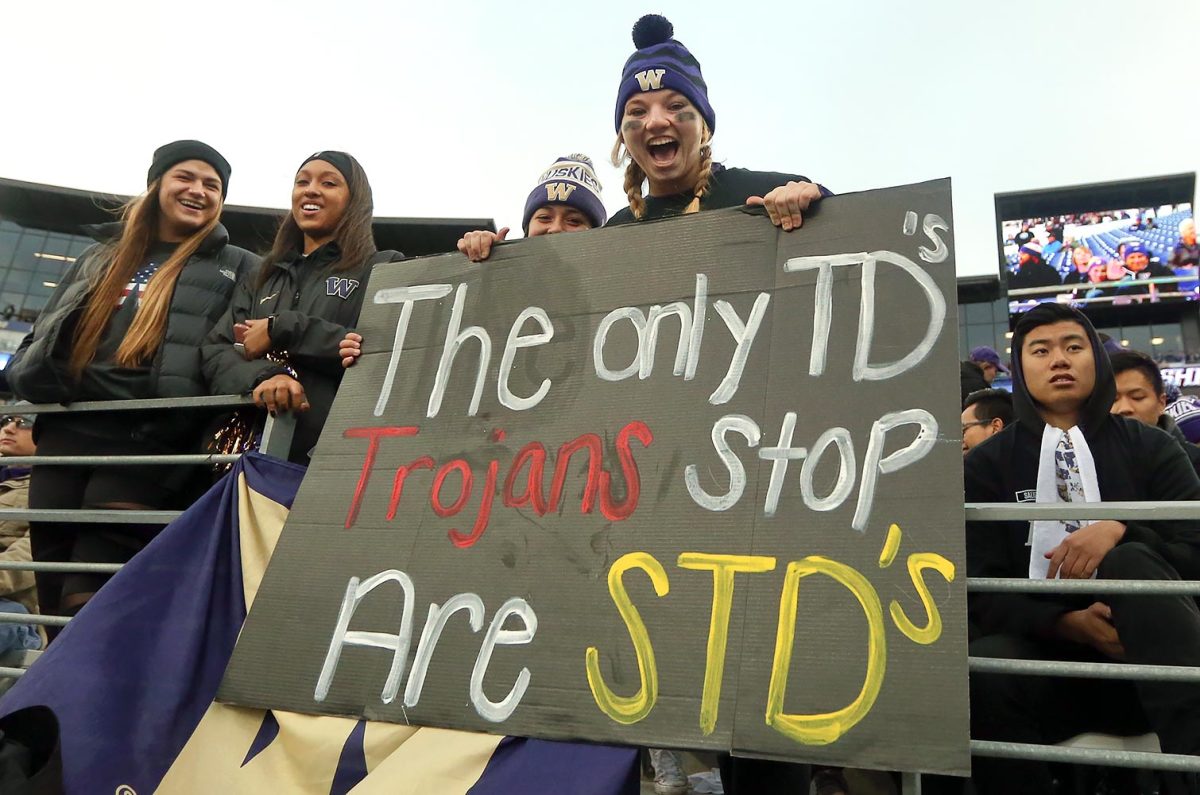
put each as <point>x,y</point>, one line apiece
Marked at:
<point>1100,259</point>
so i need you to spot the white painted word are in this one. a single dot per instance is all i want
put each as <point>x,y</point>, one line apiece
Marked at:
<point>398,643</point>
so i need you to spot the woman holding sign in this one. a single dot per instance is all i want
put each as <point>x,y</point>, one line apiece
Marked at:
<point>279,339</point>
<point>665,126</point>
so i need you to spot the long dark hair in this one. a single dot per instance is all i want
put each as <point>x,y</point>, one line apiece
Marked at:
<point>121,259</point>
<point>353,233</point>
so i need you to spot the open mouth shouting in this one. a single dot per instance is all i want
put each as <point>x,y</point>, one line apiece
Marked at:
<point>663,150</point>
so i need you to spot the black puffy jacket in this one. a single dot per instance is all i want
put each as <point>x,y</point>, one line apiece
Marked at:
<point>38,370</point>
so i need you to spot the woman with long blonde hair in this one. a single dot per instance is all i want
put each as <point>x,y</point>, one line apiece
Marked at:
<point>126,322</point>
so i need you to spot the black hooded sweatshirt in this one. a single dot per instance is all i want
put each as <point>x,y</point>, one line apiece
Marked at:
<point>1134,462</point>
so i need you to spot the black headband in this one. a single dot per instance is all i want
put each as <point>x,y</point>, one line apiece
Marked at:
<point>339,160</point>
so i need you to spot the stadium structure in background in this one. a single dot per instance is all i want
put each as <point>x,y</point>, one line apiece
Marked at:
<point>42,232</point>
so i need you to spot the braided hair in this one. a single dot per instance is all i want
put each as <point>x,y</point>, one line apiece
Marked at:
<point>706,169</point>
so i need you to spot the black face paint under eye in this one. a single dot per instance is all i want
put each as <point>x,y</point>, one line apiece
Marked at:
<point>632,124</point>
<point>686,115</point>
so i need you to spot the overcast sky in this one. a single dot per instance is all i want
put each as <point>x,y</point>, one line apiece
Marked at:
<point>454,108</point>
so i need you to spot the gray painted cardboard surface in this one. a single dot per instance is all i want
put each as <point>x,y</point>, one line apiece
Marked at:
<point>911,686</point>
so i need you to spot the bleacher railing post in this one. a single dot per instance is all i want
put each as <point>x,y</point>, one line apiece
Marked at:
<point>277,435</point>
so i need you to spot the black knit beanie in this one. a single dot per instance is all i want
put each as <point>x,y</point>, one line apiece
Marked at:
<point>168,155</point>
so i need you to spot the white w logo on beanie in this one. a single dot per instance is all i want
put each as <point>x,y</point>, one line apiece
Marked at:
<point>651,79</point>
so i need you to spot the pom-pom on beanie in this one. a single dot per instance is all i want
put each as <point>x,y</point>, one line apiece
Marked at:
<point>661,62</point>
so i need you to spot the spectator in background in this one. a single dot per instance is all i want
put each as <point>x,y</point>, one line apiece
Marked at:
<point>1032,270</point>
<point>1024,236</point>
<point>1054,240</point>
<point>1110,345</point>
<point>1081,259</point>
<point>1185,410</point>
<point>1185,258</point>
<point>125,322</point>
<point>1097,274</point>
<point>989,362</point>
<point>1115,272</point>
<point>1142,396</point>
<point>1139,268</point>
<point>1138,261</point>
<point>18,589</point>
<point>1065,446</point>
<point>1187,251</point>
<point>971,379</point>
<point>986,412</point>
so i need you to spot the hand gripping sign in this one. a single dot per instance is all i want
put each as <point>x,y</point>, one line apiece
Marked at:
<point>689,483</point>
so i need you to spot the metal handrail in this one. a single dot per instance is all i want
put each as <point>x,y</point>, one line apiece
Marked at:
<point>1013,585</point>
<point>57,567</point>
<point>83,406</point>
<point>1146,760</point>
<point>1085,670</point>
<point>1023,511</point>
<point>89,516</point>
<point>115,460</point>
<point>34,618</point>
<point>277,434</point>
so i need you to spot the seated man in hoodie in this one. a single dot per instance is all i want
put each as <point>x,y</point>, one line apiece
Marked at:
<point>1066,446</point>
<point>1142,396</point>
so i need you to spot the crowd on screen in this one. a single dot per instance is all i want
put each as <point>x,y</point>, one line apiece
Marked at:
<point>1134,259</point>
<point>163,306</point>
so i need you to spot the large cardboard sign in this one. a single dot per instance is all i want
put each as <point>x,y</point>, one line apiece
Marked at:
<point>693,483</point>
